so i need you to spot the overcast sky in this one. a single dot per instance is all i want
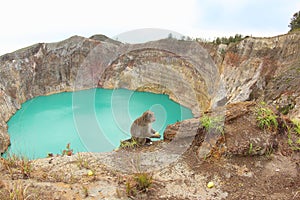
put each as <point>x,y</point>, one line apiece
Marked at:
<point>26,22</point>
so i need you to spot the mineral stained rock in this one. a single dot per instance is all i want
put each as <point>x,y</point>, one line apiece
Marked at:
<point>199,76</point>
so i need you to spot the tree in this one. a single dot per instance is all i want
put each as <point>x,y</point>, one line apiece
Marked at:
<point>295,21</point>
<point>218,41</point>
<point>170,36</point>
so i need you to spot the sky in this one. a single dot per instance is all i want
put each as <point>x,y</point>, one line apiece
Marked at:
<point>24,23</point>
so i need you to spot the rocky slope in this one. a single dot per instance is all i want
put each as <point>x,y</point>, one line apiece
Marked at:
<point>253,69</point>
<point>261,69</point>
<point>248,162</point>
<point>200,76</point>
<point>181,69</point>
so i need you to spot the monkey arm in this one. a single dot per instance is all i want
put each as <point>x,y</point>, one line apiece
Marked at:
<point>154,134</point>
<point>153,131</point>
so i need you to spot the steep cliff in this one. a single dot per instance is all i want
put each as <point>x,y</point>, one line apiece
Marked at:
<point>43,69</point>
<point>261,69</point>
<point>180,69</point>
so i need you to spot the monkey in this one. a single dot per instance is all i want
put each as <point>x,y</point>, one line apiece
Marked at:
<point>141,129</point>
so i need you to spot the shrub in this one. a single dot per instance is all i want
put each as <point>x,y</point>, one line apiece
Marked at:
<point>210,123</point>
<point>16,165</point>
<point>128,144</point>
<point>295,22</point>
<point>297,126</point>
<point>294,135</point>
<point>231,39</point>
<point>138,183</point>
<point>266,119</point>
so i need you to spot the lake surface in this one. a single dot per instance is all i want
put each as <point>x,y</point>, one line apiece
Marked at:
<point>92,120</point>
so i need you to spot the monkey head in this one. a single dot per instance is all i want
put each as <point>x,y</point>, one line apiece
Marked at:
<point>149,116</point>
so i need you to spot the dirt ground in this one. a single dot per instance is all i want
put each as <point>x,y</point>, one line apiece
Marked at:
<point>245,162</point>
<point>253,177</point>
<point>269,171</point>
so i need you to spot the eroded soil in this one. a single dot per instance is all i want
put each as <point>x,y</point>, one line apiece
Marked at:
<point>244,163</point>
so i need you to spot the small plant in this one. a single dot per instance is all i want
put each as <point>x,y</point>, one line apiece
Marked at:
<point>250,148</point>
<point>17,192</point>
<point>265,117</point>
<point>143,180</point>
<point>14,165</point>
<point>297,126</point>
<point>11,161</point>
<point>119,193</point>
<point>25,167</point>
<point>212,123</point>
<point>82,162</point>
<point>294,135</point>
<point>138,183</point>
<point>85,191</point>
<point>130,189</point>
<point>129,144</point>
<point>68,151</point>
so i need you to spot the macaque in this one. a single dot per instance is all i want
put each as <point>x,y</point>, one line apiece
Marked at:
<point>141,129</point>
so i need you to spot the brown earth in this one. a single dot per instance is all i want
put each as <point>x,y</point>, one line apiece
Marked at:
<point>269,172</point>
<point>269,169</point>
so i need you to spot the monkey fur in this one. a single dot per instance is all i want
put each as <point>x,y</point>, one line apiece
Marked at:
<point>141,129</point>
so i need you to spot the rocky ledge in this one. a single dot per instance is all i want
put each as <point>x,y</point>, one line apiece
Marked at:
<point>243,161</point>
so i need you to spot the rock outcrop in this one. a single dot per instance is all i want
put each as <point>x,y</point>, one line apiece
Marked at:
<point>44,69</point>
<point>241,135</point>
<point>261,69</point>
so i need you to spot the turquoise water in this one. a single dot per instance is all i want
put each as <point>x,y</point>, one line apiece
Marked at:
<point>92,120</point>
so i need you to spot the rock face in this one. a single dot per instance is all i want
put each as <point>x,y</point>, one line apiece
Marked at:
<point>241,135</point>
<point>261,69</point>
<point>43,69</point>
<point>166,66</point>
<point>253,69</point>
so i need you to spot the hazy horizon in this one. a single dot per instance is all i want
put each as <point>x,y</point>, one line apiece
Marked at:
<point>29,22</point>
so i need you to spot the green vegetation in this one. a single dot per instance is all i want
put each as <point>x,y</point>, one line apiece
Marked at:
<point>285,109</point>
<point>82,162</point>
<point>231,39</point>
<point>138,183</point>
<point>250,148</point>
<point>143,180</point>
<point>128,144</point>
<point>295,22</point>
<point>265,117</point>
<point>294,135</point>
<point>297,126</point>
<point>210,123</point>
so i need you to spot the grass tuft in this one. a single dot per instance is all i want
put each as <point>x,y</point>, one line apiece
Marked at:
<point>138,183</point>
<point>265,117</point>
<point>128,144</point>
<point>210,123</point>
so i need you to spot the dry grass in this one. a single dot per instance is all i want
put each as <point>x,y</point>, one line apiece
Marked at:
<point>17,166</point>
